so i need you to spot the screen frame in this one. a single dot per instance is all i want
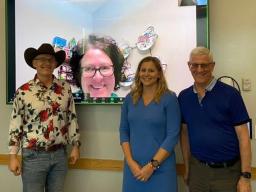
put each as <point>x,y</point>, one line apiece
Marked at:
<point>202,26</point>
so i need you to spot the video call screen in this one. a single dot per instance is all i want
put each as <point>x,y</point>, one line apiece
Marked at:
<point>167,30</point>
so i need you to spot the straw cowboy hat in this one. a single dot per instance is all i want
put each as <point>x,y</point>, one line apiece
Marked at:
<point>45,48</point>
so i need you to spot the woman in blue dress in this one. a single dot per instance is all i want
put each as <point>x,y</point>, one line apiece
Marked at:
<point>149,130</point>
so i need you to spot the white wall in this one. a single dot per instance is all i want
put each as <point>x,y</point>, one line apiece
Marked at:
<point>232,41</point>
<point>8,182</point>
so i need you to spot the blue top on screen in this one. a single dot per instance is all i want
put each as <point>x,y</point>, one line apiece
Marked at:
<point>59,42</point>
<point>201,2</point>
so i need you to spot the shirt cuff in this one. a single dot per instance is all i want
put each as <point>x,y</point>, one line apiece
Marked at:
<point>76,143</point>
<point>13,150</point>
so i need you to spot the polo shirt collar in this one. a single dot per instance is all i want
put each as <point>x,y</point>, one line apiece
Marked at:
<point>208,87</point>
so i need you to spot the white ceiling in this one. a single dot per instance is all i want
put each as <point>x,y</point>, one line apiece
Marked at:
<point>88,5</point>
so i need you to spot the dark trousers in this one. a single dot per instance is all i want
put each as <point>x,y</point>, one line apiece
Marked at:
<point>206,179</point>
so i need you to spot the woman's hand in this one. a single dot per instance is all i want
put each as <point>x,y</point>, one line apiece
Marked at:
<point>135,168</point>
<point>146,172</point>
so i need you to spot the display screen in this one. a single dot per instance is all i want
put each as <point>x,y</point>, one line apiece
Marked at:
<point>133,29</point>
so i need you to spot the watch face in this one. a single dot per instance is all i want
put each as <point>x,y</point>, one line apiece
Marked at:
<point>155,163</point>
<point>246,175</point>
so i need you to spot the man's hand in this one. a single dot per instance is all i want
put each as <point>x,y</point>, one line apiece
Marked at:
<point>74,155</point>
<point>14,164</point>
<point>185,176</point>
<point>244,185</point>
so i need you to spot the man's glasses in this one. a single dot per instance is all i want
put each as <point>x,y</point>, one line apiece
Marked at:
<point>202,65</point>
<point>45,59</point>
<point>105,71</point>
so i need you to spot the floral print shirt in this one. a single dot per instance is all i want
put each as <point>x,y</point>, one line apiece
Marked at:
<point>42,116</point>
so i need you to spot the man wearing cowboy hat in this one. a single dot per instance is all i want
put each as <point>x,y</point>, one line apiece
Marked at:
<point>43,122</point>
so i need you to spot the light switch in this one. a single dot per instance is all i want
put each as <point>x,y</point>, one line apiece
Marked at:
<point>246,84</point>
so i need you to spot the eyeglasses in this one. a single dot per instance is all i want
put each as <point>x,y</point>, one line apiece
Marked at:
<point>202,65</point>
<point>44,59</point>
<point>105,71</point>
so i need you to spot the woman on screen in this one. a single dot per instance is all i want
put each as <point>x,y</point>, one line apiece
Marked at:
<point>149,129</point>
<point>97,64</point>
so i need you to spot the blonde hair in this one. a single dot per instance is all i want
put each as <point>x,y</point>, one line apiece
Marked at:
<point>137,88</point>
<point>201,51</point>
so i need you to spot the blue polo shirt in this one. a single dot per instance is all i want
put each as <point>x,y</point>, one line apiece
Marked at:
<point>211,121</point>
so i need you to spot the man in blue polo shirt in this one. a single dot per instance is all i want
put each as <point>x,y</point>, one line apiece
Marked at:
<point>214,138</point>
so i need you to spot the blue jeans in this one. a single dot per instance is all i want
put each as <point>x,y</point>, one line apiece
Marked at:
<point>44,171</point>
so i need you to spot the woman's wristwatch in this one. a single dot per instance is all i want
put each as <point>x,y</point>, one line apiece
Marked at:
<point>154,164</point>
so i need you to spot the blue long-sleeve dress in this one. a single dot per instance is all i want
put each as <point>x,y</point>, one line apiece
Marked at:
<point>148,128</point>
